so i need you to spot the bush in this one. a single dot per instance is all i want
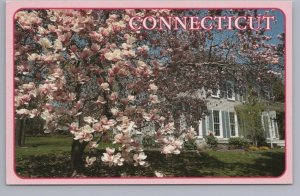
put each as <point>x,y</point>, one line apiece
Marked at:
<point>211,140</point>
<point>264,148</point>
<point>253,148</point>
<point>190,145</point>
<point>238,142</point>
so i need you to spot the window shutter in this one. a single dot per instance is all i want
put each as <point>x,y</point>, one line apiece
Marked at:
<point>210,121</point>
<point>224,124</point>
<point>227,124</point>
<point>266,125</point>
<point>204,127</point>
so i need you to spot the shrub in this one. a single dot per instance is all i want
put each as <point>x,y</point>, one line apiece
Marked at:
<point>238,142</point>
<point>253,148</point>
<point>211,140</point>
<point>264,148</point>
<point>190,145</point>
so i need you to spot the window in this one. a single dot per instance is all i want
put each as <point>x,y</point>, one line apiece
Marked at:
<point>215,93</point>
<point>216,117</point>
<point>230,90</point>
<point>232,123</point>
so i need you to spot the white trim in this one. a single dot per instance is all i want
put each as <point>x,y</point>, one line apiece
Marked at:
<point>207,124</point>
<point>236,125</point>
<point>271,125</point>
<point>216,95</point>
<point>200,133</point>
<point>220,123</point>
<point>233,93</point>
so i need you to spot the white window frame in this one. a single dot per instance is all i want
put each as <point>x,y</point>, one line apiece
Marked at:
<point>216,95</point>
<point>233,93</point>
<point>235,124</point>
<point>220,122</point>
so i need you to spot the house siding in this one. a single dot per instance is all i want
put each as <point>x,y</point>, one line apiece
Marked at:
<point>224,106</point>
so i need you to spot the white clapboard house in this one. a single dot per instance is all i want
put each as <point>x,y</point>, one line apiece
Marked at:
<point>222,118</point>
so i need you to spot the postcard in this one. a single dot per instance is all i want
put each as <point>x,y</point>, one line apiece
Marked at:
<point>163,92</point>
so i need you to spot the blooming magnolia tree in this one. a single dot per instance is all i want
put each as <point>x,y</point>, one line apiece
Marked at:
<point>86,70</point>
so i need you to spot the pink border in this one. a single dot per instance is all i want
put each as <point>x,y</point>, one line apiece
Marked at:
<point>13,178</point>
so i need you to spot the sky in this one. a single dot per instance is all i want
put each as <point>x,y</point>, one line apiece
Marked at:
<point>278,27</point>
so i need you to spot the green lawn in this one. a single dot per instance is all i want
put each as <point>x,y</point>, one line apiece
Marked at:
<point>50,157</point>
<point>44,145</point>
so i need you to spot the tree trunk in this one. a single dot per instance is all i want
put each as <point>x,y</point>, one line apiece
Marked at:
<point>77,162</point>
<point>20,132</point>
<point>176,117</point>
<point>23,133</point>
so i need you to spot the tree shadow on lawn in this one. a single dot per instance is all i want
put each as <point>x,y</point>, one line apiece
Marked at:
<point>187,164</point>
<point>273,163</point>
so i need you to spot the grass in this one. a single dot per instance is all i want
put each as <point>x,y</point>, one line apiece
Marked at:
<point>44,145</point>
<point>50,157</point>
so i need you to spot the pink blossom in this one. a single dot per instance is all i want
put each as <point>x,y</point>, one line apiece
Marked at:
<point>113,56</point>
<point>45,43</point>
<point>27,19</point>
<point>73,127</point>
<point>190,134</point>
<point>89,120</point>
<point>130,39</point>
<point>85,134</point>
<point>158,174</point>
<point>113,96</point>
<point>100,100</point>
<point>153,99</point>
<point>47,116</point>
<point>93,145</point>
<point>131,98</point>
<point>24,69</point>
<point>58,45</point>
<point>42,31</point>
<point>144,48</point>
<point>96,36</point>
<point>114,111</point>
<point>168,128</point>
<point>51,28</point>
<point>95,47</point>
<point>139,159</point>
<point>105,86</point>
<point>33,113</point>
<point>122,138</point>
<point>22,111</point>
<point>28,87</point>
<point>77,28</point>
<point>153,88</point>
<point>111,159</point>
<point>126,127</point>
<point>34,57</point>
<point>89,161</point>
<point>78,105</point>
